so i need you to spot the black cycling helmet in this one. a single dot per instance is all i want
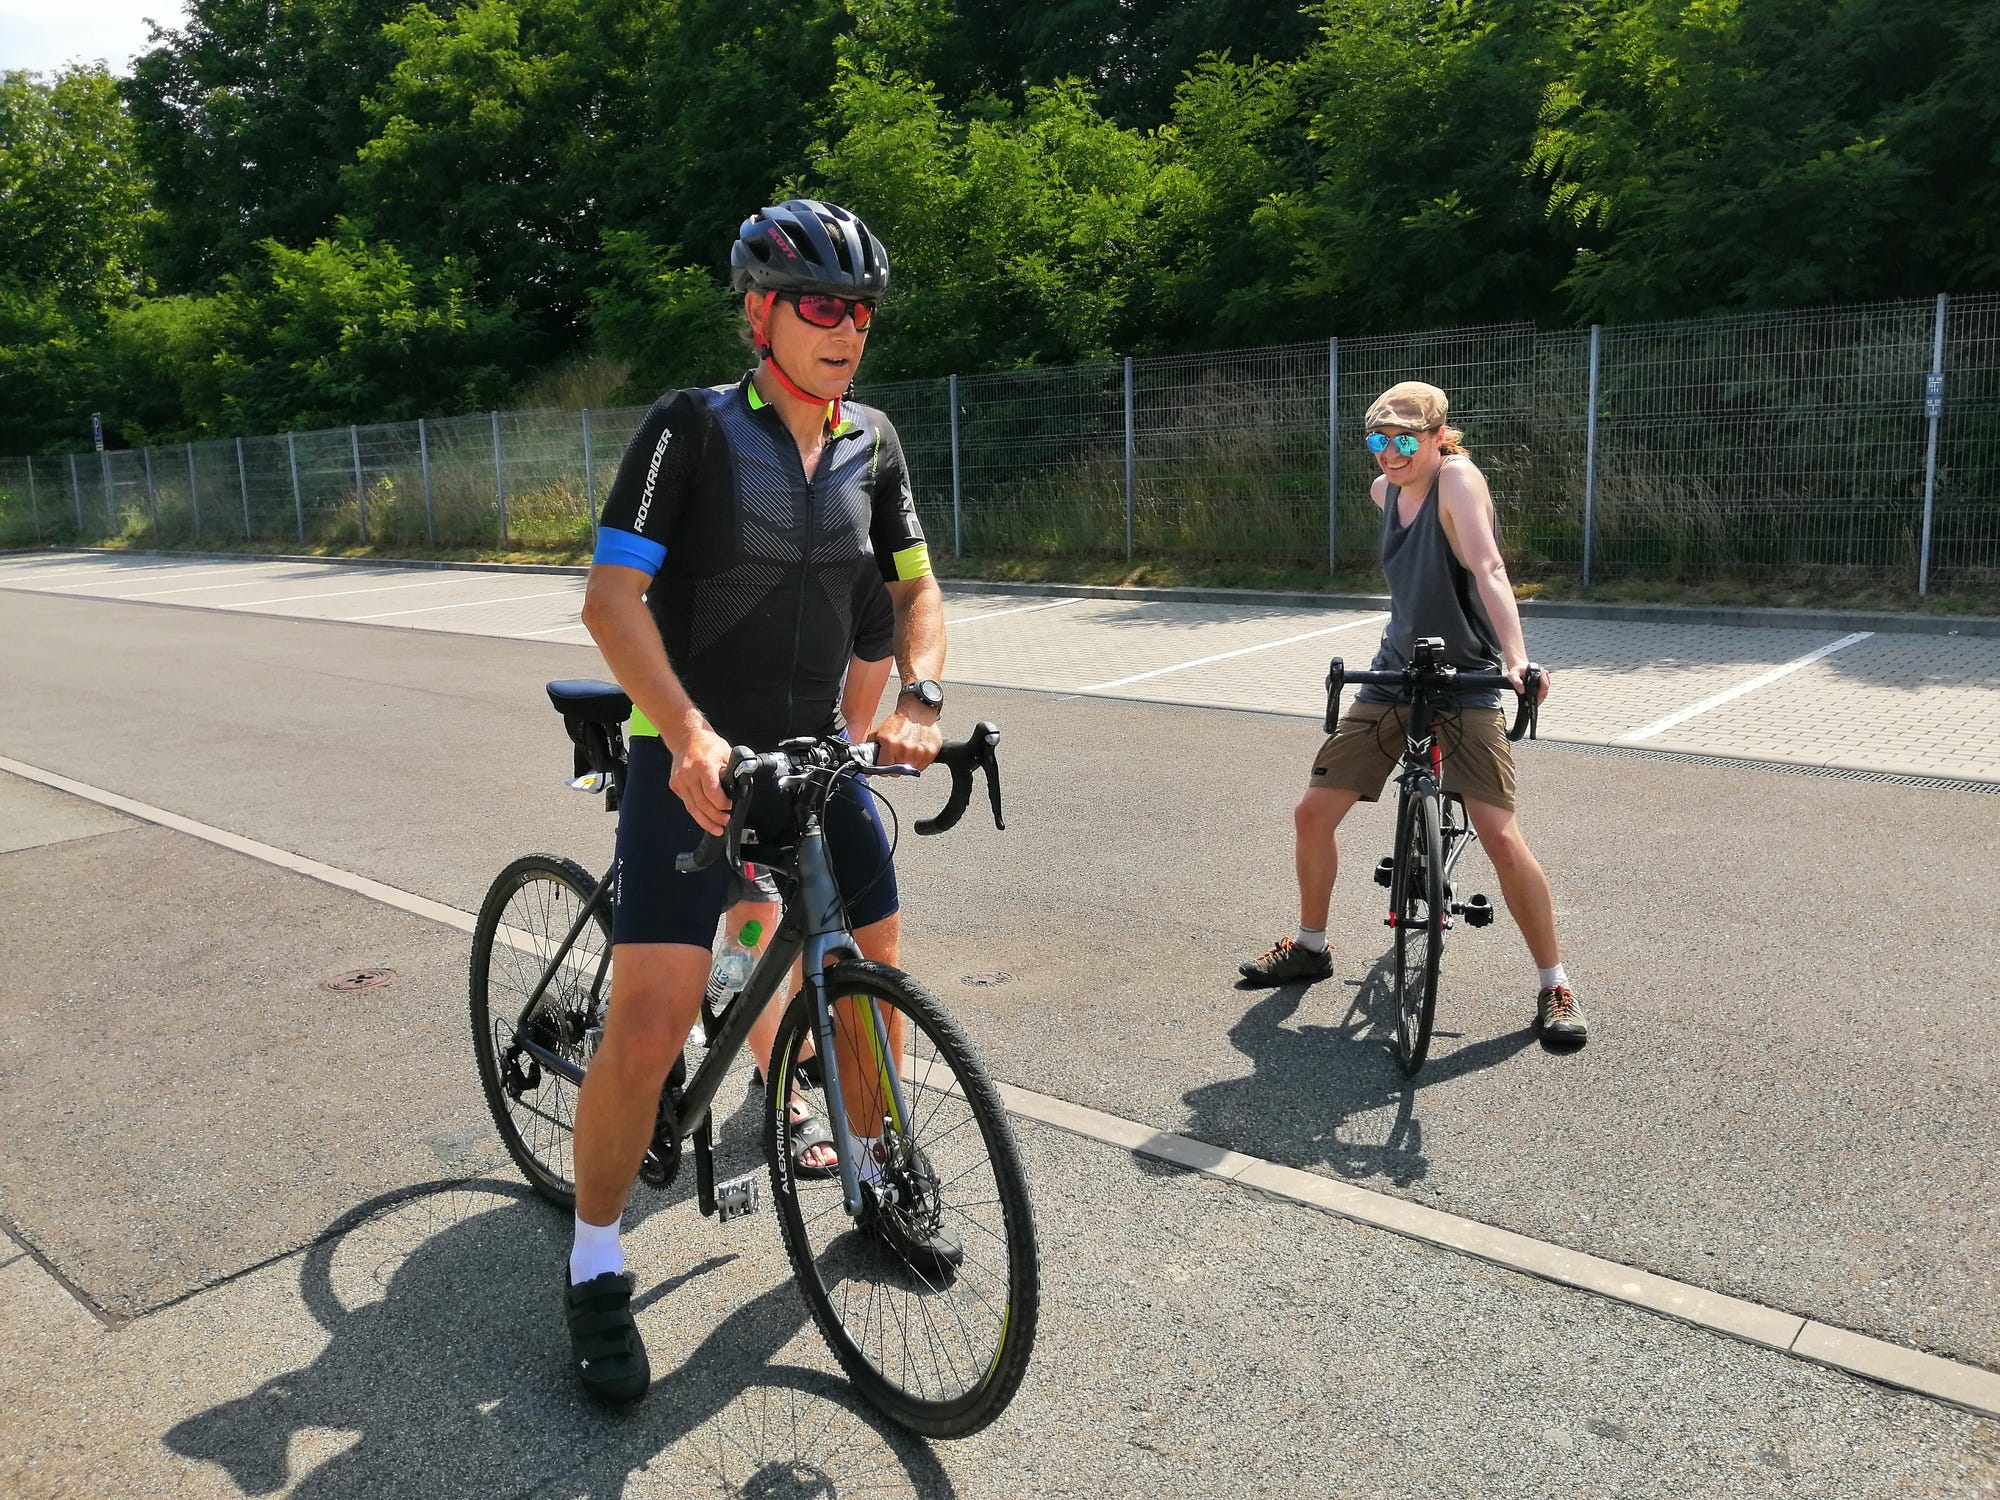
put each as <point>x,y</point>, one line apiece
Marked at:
<point>805,245</point>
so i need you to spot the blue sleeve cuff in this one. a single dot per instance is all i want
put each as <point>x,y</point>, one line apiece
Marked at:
<point>627,549</point>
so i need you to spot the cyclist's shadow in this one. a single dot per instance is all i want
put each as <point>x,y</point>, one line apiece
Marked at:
<point>1332,1095</point>
<point>454,1377</point>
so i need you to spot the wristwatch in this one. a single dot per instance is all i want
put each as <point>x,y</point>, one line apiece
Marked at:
<point>926,692</point>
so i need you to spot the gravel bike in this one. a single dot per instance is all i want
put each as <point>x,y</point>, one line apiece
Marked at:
<point>1432,832</point>
<point>918,1260</point>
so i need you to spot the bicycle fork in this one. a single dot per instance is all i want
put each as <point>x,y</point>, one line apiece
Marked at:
<point>827,941</point>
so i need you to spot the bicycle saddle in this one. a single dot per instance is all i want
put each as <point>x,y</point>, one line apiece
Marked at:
<point>591,701</point>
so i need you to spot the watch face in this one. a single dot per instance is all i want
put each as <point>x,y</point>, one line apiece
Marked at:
<point>927,693</point>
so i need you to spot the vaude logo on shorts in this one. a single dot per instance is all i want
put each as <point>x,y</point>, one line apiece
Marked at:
<point>652,478</point>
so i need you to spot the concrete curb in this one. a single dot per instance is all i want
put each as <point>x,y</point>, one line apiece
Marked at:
<point>1547,609</point>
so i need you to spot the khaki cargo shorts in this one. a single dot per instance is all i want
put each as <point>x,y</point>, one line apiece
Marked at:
<point>1359,755</point>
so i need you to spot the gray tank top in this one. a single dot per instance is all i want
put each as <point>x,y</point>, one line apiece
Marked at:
<point>1431,593</point>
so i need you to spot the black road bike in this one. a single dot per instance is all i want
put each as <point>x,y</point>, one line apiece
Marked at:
<point>918,1260</point>
<point>1432,832</point>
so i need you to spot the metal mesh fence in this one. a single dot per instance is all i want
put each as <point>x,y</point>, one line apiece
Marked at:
<point>1757,446</point>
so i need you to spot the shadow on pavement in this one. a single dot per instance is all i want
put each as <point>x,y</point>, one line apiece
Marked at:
<point>447,1373</point>
<point>1332,1096</point>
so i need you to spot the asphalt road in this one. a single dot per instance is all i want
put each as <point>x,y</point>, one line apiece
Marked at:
<point>1788,1096</point>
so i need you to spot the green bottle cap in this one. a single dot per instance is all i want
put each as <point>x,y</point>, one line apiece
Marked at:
<point>752,930</point>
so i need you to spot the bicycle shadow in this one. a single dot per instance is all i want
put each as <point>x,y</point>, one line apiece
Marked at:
<point>1333,1096</point>
<point>448,1365</point>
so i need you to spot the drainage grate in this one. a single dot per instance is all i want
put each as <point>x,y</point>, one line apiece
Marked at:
<point>361,979</point>
<point>987,981</point>
<point>1746,763</point>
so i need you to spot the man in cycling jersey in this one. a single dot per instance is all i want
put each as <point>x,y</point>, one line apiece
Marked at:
<point>721,595</point>
<point>1441,554</point>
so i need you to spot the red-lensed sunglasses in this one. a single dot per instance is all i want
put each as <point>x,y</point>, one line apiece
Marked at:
<point>824,310</point>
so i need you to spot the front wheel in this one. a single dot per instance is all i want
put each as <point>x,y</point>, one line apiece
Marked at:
<point>929,1298</point>
<point>531,907</point>
<point>1417,899</point>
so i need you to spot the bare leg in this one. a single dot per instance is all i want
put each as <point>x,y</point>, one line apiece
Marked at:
<point>1522,882</point>
<point>1316,849</point>
<point>655,997</point>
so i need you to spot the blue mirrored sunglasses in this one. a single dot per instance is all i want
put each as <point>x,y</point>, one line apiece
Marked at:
<point>1406,443</point>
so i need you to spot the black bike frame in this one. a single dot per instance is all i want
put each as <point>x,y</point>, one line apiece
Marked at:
<point>813,925</point>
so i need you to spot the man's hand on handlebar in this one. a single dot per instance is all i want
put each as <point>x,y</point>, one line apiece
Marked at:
<point>697,778</point>
<point>1516,675</point>
<point>911,739</point>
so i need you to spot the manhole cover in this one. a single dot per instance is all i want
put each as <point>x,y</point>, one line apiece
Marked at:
<point>987,981</point>
<point>361,979</point>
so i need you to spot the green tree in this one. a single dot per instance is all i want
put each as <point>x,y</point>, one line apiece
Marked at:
<point>245,118</point>
<point>1771,153</point>
<point>347,331</point>
<point>1015,238</point>
<point>73,209</point>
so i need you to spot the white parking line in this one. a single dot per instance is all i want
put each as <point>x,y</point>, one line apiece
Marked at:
<point>44,569</point>
<point>380,588</point>
<point>91,583</point>
<point>1202,661</point>
<point>431,609</point>
<point>522,635</point>
<point>1764,679</point>
<point>203,588</point>
<point>1874,1359</point>
<point>994,614</point>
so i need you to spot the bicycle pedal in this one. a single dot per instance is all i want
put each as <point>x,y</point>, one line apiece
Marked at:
<point>1385,870</point>
<point>738,1197</point>
<point>1478,912</point>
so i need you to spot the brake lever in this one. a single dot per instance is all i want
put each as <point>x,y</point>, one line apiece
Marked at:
<point>975,751</point>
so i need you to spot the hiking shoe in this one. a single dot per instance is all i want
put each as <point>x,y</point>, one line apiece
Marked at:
<point>1558,1016</point>
<point>604,1342</point>
<point>1287,963</point>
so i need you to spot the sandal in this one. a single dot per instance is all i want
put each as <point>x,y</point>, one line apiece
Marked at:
<point>808,1131</point>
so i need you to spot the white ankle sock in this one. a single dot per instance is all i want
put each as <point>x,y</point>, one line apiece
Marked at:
<point>1312,938</point>
<point>868,1165</point>
<point>1553,977</point>
<point>595,1251</point>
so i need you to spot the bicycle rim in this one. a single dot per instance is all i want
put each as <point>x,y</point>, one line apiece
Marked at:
<point>1419,907</point>
<point>528,911</point>
<point>939,1344</point>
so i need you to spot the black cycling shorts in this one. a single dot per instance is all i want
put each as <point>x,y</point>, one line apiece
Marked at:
<point>652,903</point>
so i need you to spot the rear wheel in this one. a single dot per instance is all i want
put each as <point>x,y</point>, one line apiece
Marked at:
<point>1417,898</point>
<point>529,910</point>
<point>929,1298</point>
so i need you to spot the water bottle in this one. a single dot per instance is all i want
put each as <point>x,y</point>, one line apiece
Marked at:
<point>732,970</point>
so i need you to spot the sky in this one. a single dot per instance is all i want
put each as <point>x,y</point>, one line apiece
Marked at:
<point>43,35</point>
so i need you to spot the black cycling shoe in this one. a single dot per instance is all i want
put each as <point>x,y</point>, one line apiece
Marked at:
<point>604,1344</point>
<point>929,1249</point>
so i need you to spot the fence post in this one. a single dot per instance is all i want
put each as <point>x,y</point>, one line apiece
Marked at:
<point>499,481</point>
<point>1933,410</point>
<point>194,495</point>
<point>298,500</point>
<point>1590,453</point>
<point>1130,451</point>
<point>360,488</point>
<point>243,485</point>
<point>152,495</point>
<point>110,493</point>
<point>589,477</point>
<point>76,497</point>
<point>957,491</point>
<point>1333,455</point>
<point>34,501</point>
<point>424,459</point>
